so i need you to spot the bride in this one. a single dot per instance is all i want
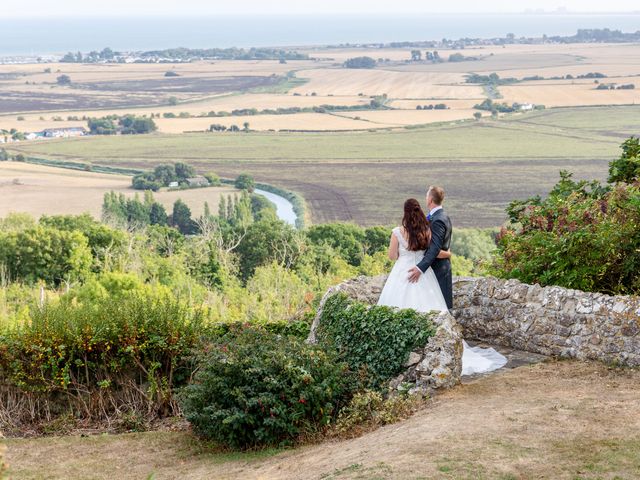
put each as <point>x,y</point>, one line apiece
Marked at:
<point>407,246</point>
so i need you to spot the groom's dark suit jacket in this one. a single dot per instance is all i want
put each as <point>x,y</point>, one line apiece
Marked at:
<point>440,240</point>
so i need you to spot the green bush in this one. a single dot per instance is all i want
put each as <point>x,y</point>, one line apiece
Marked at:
<point>627,167</point>
<point>582,236</point>
<point>370,409</point>
<point>45,254</point>
<point>256,388</point>
<point>375,340</point>
<point>100,359</point>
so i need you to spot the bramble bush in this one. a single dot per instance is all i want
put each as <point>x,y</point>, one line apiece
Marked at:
<point>584,236</point>
<point>375,340</point>
<point>99,360</point>
<point>256,388</point>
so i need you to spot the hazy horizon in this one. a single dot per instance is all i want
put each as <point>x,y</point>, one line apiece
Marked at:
<point>40,36</point>
<point>186,8</point>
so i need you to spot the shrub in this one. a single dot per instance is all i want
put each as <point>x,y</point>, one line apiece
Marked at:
<point>345,238</point>
<point>627,167</point>
<point>245,182</point>
<point>375,340</point>
<point>101,358</point>
<point>256,388</point>
<point>44,253</point>
<point>582,236</point>
<point>369,409</point>
<point>360,62</point>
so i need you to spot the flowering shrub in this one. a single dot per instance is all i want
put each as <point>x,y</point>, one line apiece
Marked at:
<point>583,236</point>
<point>257,388</point>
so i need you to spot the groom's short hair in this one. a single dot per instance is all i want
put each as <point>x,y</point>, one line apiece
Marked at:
<point>436,194</point>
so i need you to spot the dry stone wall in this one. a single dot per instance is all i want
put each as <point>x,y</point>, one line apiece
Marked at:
<point>551,320</point>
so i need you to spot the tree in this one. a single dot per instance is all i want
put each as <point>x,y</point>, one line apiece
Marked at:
<point>63,80</point>
<point>137,213</point>
<point>345,238</point>
<point>136,125</point>
<point>4,156</point>
<point>416,55</point>
<point>265,242</point>
<point>222,208</point>
<point>158,215</point>
<point>181,218</point>
<point>245,182</point>
<point>626,168</point>
<point>477,115</point>
<point>45,254</point>
<point>165,174</point>
<point>360,62</point>
<point>214,179</point>
<point>173,101</point>
<point>245,126</point>
<point>184,171</point>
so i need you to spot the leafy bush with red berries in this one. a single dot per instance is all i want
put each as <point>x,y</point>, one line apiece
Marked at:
<point>584,236</point>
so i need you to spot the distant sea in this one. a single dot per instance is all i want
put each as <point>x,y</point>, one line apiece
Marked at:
<point>56,36</point>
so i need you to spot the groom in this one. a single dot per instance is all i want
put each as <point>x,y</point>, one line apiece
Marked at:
<point>440,240</point>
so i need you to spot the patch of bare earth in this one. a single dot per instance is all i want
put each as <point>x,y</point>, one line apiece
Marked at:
<point>553,420</point>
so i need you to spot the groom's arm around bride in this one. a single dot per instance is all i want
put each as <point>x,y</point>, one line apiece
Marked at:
<point>440,240</point>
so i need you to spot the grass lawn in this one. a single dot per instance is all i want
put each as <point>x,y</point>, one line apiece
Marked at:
<point>557,420</point>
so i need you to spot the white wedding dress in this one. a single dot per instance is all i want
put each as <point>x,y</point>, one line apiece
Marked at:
<point>425,296</point>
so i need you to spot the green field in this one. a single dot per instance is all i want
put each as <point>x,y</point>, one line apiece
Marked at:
<point>365,176</point>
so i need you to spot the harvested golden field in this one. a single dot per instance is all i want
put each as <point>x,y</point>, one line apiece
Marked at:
<point>559,95</point>
<point>396,84</point>
<point>410,117</point>
<point>41,190</point>
<point>299,121</point>
<point>205,86</point>
<point>34,122</point>
<point>452,104</point>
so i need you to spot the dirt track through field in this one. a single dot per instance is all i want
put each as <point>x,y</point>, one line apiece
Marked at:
<point>555,420</point>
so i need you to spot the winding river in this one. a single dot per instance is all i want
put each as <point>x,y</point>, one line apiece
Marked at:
<point>284,208</point>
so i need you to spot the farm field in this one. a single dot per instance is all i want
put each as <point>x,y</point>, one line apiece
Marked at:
<point>31,93</point>
<point>42,190</point>
<point>365,176</point>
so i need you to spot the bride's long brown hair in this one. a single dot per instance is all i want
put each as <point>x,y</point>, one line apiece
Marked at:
<point>416,226</point>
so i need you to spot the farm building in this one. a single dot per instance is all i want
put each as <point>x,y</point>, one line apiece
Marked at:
<point>64,132</point>
<point>198,181</point>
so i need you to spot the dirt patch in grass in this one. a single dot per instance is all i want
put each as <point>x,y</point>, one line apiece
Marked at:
<point>556,420</point>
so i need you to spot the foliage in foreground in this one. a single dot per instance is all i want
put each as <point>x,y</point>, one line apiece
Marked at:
<point>256,388</point>
<point>99,360</point>
<point>374,340</point>
<point>584,235</point>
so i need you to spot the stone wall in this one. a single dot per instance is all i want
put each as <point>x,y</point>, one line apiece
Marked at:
<point>436,365</point>
<point>551,320</point>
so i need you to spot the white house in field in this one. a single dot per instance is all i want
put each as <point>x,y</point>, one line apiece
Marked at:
<point>64,132</point>
<point>526,107</point>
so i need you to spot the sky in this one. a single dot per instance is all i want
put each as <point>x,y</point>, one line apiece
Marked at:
<point>68,8</point>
